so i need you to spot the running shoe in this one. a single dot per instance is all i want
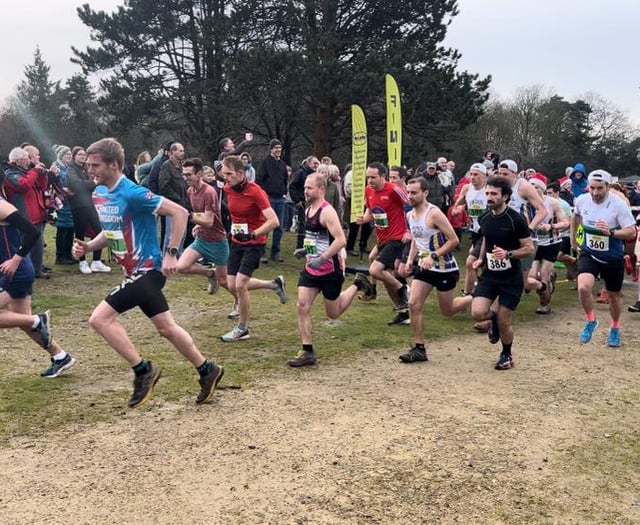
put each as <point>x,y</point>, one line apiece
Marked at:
<point>494,329</point>
<point>414,355</point>
<point>482,326</point>
<point>587,331</point>
<point>235,311</point>
<point>209,383</point>
<point>58,367</point>
<point>237,334</point>
<point>367,298</point>
<point>362,283</point>
<point>543,310</point>
<point>281,291</point>
<point>634,307</point>
<point>505,362</point>
<point>303,358</point>
<point>213,285</point>
<point>44,329</point>
<point>402,318</point>
<point>603,297</point>
<point>613,340</point>
<point>143,386</point>
<point>99,267</point>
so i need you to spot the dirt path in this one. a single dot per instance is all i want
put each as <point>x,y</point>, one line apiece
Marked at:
<point>368,441</point>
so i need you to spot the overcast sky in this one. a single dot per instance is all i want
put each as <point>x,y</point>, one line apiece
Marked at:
<point>571,46</point>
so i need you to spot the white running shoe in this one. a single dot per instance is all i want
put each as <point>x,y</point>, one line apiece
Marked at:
<point>235,311</point>
<point>84,267</point>
<point>100,267</point>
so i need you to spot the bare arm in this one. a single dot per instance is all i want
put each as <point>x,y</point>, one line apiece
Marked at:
<point>531,196</point>
<point>271,224</point>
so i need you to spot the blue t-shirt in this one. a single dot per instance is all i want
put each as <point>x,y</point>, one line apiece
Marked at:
<point>10,241</point>
<point>127,213</point>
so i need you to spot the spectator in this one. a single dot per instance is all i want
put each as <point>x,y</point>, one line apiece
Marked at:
<point>63,220</point>
<point>171,184</point>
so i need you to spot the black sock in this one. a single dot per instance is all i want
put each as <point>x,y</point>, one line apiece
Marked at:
<point>307,348</point>
<point>420,346</point>
<point>402,294</point>
<point>506,349</point>
<point>204,367</point>
<point>141,368</point>
<point>401,279</point>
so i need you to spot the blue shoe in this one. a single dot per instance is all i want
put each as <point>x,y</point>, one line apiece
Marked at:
<point>58,368</point>
<point>44,329</point>
<point>587,331</point>
<point>614,337</point>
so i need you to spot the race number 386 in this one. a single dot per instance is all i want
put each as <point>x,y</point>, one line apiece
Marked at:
<point>497,265</point>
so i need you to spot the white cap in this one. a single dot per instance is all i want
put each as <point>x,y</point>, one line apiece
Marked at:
<point>600,176</point>
<point>509,164</point>
<point>480,167</point>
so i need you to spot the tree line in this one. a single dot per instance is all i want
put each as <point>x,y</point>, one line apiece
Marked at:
<point>201,70</point>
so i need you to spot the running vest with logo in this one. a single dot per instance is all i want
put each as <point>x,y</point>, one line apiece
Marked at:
<point>428,240</point>
<point>476,205</point>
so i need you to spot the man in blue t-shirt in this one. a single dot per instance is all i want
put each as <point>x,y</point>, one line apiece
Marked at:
<point>127,214</point>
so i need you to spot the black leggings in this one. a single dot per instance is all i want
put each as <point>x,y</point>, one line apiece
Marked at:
<point>83,219</point>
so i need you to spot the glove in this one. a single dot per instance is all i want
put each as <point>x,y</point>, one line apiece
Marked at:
<point>315,262</point>
<point>300,253</point>
<point>244,237</point>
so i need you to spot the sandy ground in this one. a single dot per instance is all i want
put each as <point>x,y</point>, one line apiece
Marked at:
<point>365,441</point>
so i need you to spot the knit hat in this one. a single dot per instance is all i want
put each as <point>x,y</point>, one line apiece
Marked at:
<point>60,150</point>
<point>568,171</point>
<point>510,165</point>
<point>539,180</point>
<point>600,176</point>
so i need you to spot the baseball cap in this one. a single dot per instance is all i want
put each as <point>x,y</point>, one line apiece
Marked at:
<point>530,171</point>
<point>431,165</point>
<point>510,165</point>
<point>600,176</point>
<point>480,167</point>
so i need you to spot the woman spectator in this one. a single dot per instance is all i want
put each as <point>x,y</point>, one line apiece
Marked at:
<point>144,157</point>
<point>249,170</point>
<point>85,217</point>
<point>63,218</point>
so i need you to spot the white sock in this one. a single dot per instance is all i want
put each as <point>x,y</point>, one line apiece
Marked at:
<point>36,322</point>
<point>60,356</point>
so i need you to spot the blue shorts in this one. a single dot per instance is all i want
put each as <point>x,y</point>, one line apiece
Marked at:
<point>16,289</point>
<point>216,252</point>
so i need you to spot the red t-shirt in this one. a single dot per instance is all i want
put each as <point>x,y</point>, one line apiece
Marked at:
<point>387,207</point>
<point>246,207</point>
<point>203,200</point>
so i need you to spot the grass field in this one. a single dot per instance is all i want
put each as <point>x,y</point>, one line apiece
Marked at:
<point>98,387</point>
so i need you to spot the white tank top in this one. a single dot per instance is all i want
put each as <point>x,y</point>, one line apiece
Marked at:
<point>476,205</point>
<point>428,240</point>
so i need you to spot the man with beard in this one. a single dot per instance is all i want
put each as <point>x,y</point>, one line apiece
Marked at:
<point>506,240</point>
<point>600,225</point>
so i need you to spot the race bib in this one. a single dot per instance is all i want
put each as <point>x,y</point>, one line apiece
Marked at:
<point>380,220</point>
<point>239,227</point>
<point>310,246</point>
<point>475,210</point>
<point>497,265</point>
<point>116,241</point>
<point>598,243</point>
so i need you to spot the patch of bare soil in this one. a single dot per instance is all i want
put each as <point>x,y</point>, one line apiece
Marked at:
<point>365,441</point>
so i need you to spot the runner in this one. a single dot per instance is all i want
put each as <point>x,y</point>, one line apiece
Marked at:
<point>600,224</point>
<point>385,208</point>
<point>323,271</point>
<point>474,198</point>
<point>432,263</point>
<point>210,236</point>
<point>17,275</point>
<point>506,240</point>
<point>542,276</point>
<point>127,213</point>
<point>252,218</point>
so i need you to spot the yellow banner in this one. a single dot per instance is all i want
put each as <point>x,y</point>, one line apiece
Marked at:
<point>358,161</point>
<point>394,122</point>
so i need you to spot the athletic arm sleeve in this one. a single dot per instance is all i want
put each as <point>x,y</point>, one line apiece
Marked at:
<point>29,232</point>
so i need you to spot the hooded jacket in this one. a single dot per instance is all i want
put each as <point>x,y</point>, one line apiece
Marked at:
<point>25,189</point>
<point>579,185</point>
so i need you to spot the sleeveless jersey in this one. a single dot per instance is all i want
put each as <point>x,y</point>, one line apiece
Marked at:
<point>127,213</point>
<point>521,206</point>
<point>476,205</point>
<point>317,240</point>
<point>428,240</point>
<point>550,237</point>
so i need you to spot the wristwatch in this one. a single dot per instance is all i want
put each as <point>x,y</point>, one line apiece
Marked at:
<point>434,256</point>
<point>509,255</point>
<point>172,250</point>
